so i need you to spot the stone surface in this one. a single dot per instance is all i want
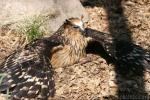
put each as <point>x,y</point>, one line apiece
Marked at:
<point>56,11</point>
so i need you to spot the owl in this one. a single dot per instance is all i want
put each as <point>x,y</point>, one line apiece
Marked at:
<point>29,71</point>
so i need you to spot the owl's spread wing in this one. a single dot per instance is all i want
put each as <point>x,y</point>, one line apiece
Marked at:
<point>132,57</point>
<point>126,53</point>
<point>28,72</point>
<point>103,39</point>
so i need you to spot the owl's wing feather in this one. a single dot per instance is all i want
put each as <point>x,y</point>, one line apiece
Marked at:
<point>104,39</point>
<point>132,57</point>
<point>28,71</point>
<point>126,53</point>
<point>37,81</point>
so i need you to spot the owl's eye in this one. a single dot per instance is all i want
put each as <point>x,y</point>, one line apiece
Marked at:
<point>76,27</point>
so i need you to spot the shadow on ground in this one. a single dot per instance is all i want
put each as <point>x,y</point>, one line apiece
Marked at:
<point>129,72</point>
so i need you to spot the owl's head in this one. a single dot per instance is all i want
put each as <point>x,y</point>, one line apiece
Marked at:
<point>72,31</point>
<point>72,26</point>
<point>75,24</point>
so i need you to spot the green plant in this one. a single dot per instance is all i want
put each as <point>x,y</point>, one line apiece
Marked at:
<point>35,27</point>
<point>33,30</point>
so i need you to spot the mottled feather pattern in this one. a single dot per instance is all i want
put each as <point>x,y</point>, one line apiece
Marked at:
<point>29,72</point>
<point>104,39</point>
<point>38,82</point>
<point>131,56</point>
<point>128,55</point>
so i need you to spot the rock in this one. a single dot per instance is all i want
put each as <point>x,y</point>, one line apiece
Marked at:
<point>53,12</point>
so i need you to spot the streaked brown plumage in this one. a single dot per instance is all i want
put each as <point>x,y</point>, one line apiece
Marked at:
<point>74,44</point>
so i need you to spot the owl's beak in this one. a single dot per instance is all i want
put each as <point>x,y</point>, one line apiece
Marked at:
<point>82,30</point>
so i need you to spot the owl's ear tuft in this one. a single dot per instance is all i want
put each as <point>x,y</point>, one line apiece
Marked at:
<point>67,21</point>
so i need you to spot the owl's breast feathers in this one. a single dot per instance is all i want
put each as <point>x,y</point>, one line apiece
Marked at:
<point>75,43</point>
<point>70,53</point>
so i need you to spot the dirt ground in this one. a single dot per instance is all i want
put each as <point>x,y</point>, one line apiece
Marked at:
<point>97,80</point>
